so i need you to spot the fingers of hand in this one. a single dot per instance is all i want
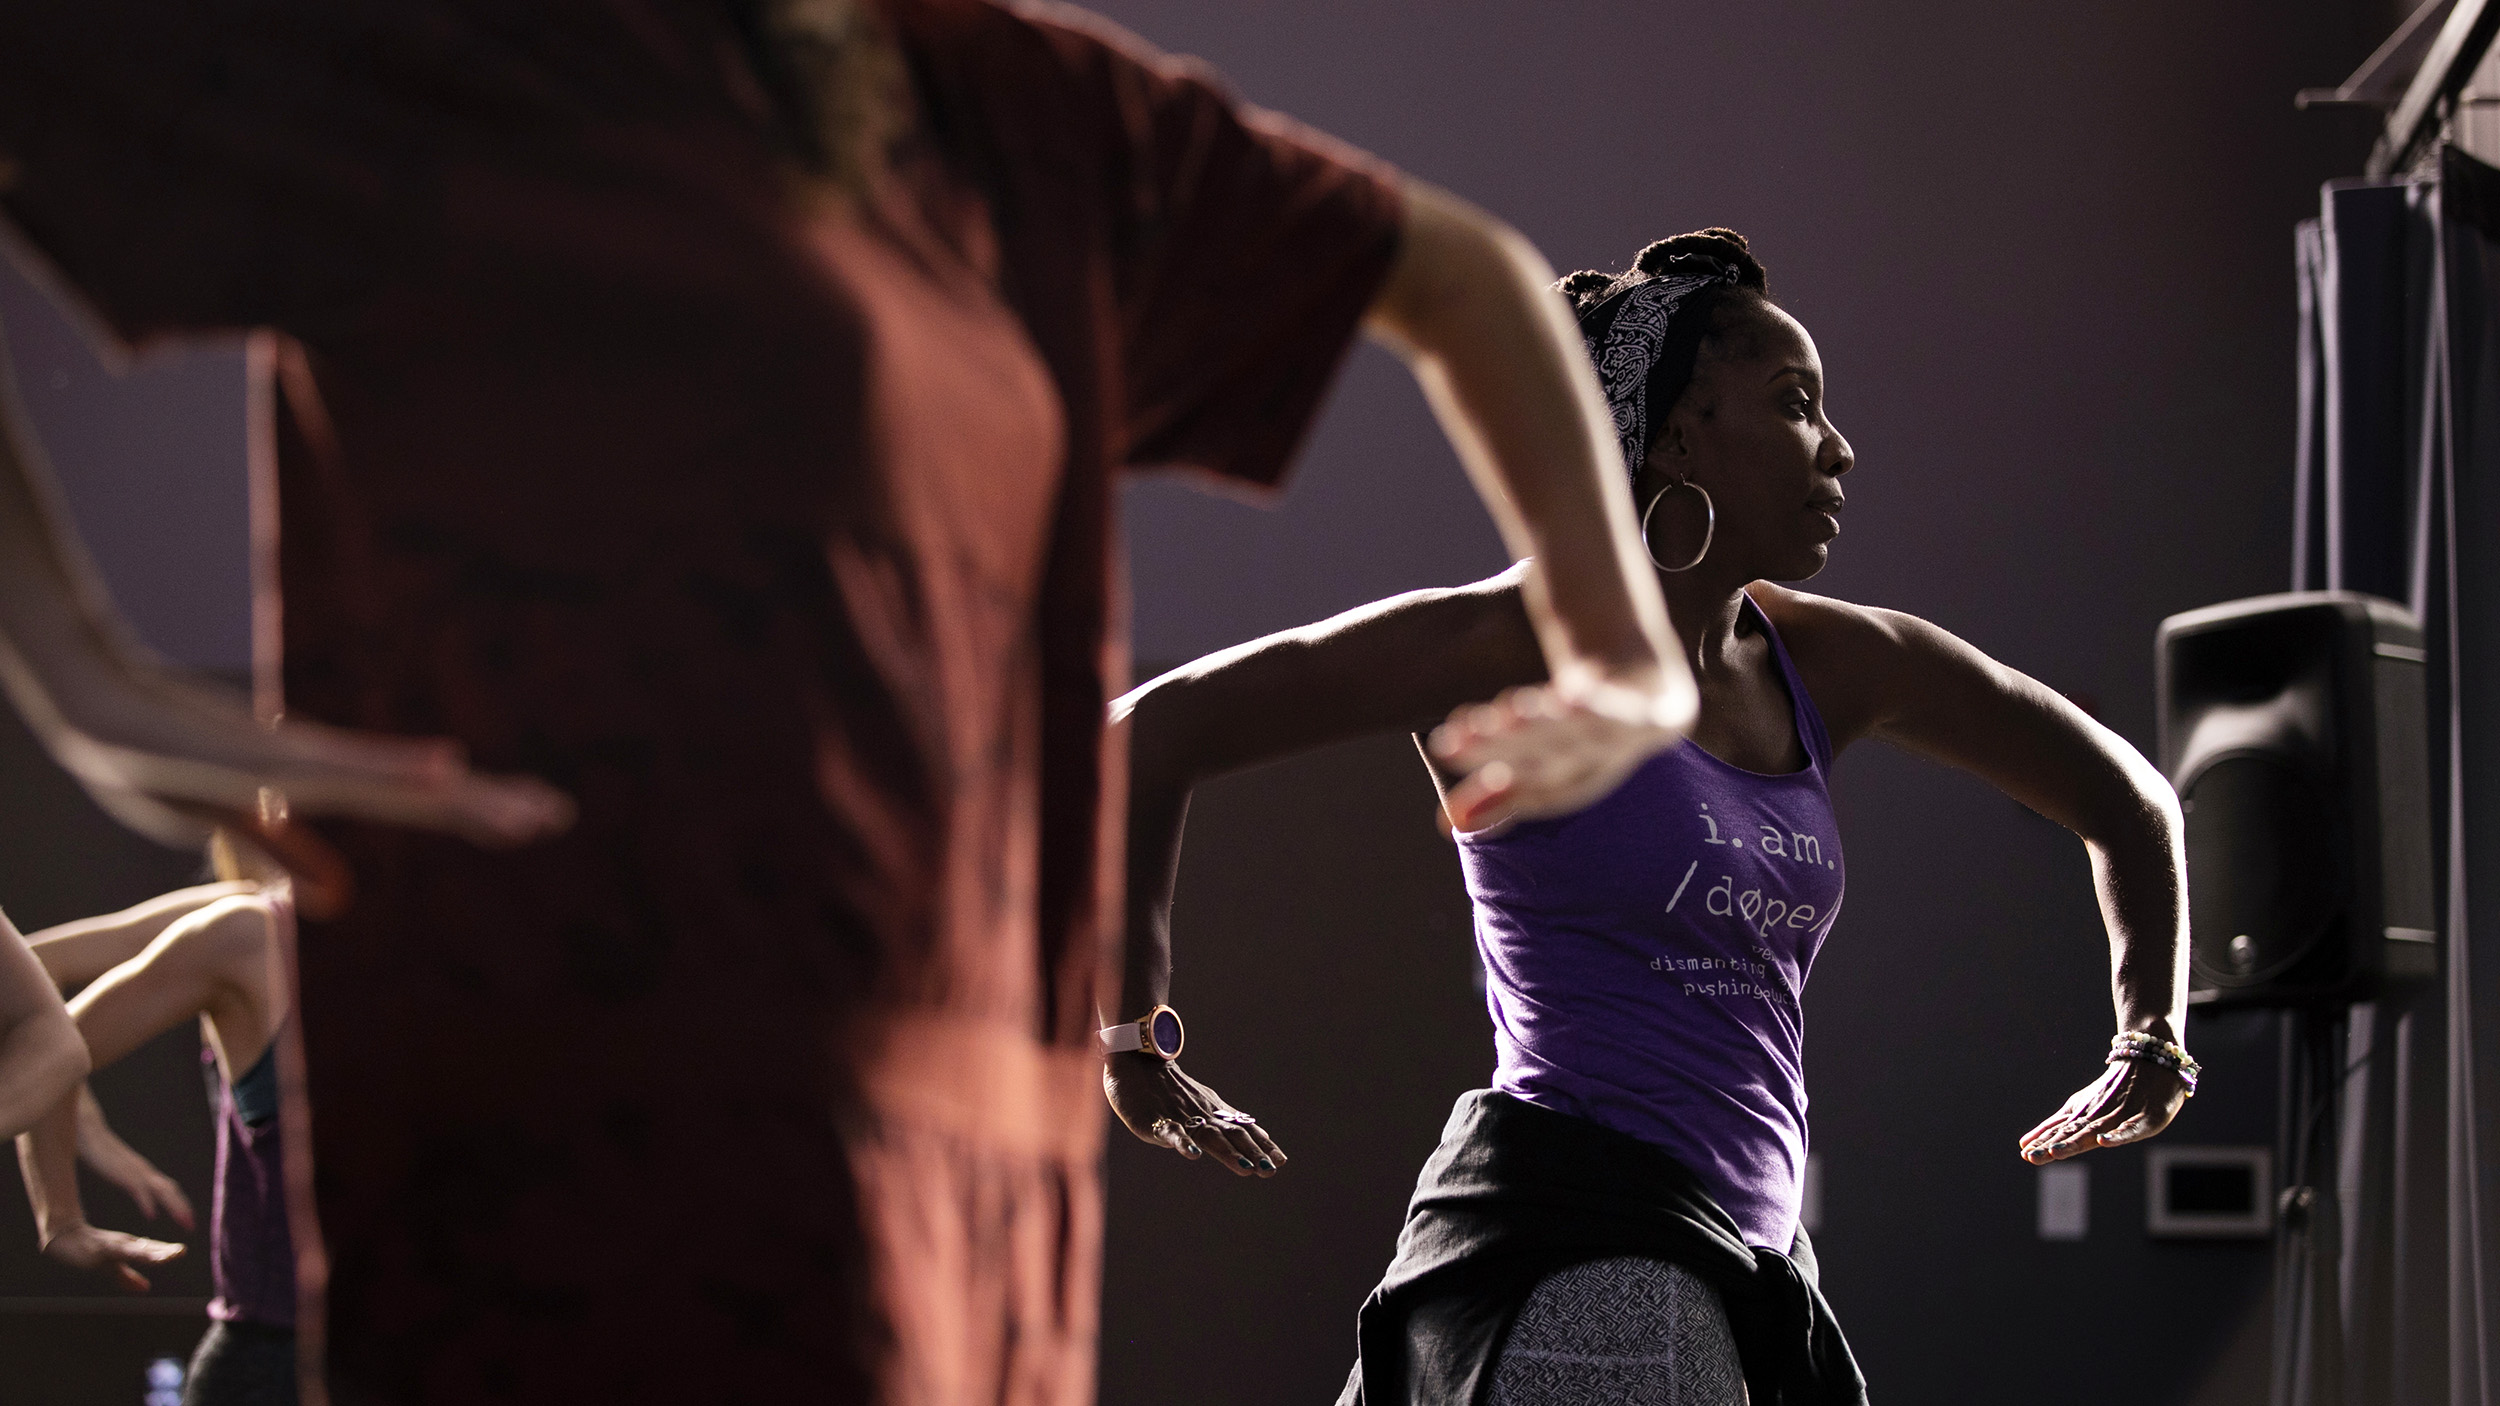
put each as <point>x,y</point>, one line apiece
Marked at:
<point>2063,1139</point>
<point>1251,1142</point>
<point>138,1249</point>
<point>1166,1107</point>
<point>1480,804</point>
<point>396,781</point>
<point>2067,1113</point>
<point>497,812</point>
<point>1229,1137</point>
<point>2093,1133</point>
<point>1158,1123</point>
<point>2046,1126</point>
<point>2101,1104</point>
<point>176,1204</point>
<point>1468,727</point>
<point>1226,1145</point>
<point>421,761</point>
<point>1541,756</point>
<point>110,1250</point>
<point>2055,1138</point>
<point>1166,1132</point>
<point>1268,1148</point>
<point>506,812</point>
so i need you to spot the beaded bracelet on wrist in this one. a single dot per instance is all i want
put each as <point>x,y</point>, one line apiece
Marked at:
<point>2136,1046</point>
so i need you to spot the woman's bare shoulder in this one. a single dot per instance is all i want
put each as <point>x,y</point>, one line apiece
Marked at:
<point>1857,660</point>
<point>1813,624</point>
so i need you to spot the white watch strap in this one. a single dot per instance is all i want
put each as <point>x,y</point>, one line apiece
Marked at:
<point>1119,1039</point>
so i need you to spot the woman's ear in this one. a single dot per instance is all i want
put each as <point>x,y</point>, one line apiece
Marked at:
<point>1672,444</point>
<point>1656,472</point>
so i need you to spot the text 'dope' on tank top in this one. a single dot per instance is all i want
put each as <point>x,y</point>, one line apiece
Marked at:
<point>1644,960</point>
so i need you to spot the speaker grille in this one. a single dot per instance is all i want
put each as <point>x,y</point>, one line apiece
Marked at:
<point>2264,881</point>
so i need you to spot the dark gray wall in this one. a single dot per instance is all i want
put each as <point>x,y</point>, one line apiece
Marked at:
<point>2045,250</point>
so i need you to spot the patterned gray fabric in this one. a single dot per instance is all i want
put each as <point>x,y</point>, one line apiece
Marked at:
<point>1625,346</point>
<point>1620,1332</point>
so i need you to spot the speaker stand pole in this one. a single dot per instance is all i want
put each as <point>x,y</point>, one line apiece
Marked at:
<point>2308,1242</point>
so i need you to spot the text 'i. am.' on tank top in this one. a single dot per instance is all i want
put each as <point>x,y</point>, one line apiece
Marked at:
<point>1644,959</point>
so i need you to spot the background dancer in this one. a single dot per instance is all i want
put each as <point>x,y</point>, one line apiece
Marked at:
<point>1617,1219</point>
<point>209,954</point>
<point>714,408</point>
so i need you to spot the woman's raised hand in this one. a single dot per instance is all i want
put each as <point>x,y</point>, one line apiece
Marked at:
<point>2130,1102</point>
<point>1166,1107</point>
<point>1553,748</point>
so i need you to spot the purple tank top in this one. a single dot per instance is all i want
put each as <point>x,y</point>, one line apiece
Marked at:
<point>251,1250</point>
<point>1644,960</point>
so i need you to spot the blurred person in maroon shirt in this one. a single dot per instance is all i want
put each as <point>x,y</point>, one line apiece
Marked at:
<point>704,415</point>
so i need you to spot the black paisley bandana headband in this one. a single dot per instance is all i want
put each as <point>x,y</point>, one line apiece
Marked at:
<point>1627,328</point>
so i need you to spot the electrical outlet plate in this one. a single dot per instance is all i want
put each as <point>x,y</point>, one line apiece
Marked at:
<point>2065,1201</point>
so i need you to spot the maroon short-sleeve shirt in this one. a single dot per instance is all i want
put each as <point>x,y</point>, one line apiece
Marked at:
<point>777,529</point>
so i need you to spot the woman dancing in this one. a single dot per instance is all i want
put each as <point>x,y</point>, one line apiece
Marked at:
<point>1616,1219</point>
<point>210,954</point>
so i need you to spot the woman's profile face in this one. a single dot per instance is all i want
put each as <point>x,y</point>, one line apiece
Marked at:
<point>1752,430</point>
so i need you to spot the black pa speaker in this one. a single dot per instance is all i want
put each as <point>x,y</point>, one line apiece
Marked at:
<point>2295,729</point>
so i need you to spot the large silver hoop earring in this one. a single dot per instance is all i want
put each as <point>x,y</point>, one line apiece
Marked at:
<point>1709,524</point>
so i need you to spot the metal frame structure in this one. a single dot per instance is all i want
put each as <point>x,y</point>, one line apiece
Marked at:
<point>2415,124</point>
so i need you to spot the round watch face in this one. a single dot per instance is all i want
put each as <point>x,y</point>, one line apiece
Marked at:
<point>1165,1026</point>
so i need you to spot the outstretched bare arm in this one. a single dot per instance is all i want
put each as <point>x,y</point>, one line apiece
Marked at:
<point>159,749</point>
<point>1882,674</point>
<point>77,952</point>
<point>1393,666</point>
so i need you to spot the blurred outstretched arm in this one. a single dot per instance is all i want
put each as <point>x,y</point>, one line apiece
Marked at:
<point>162,751</point>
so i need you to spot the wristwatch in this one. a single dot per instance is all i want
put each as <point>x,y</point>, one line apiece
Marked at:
<point>1157,1032</point>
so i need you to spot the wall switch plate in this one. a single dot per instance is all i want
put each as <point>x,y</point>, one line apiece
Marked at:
<point>2065,1201</point>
